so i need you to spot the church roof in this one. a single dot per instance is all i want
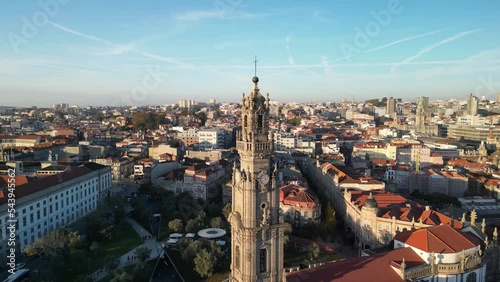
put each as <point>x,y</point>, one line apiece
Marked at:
<point>438,239</point>
<point>371,268</point>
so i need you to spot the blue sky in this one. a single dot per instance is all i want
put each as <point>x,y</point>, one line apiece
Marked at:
<point>156,52</point>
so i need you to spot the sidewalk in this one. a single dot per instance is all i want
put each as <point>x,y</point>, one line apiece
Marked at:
<point>126,259</point>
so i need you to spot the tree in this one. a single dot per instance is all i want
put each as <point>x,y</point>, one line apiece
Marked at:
<point>99,116</point>
<point>192,225</point>
<point>147,120</point>
<point>122,276</point>
<point>294,121</point>
<point>201,216</point>
<point>313,251</point>
<point>108,232</point>
<point>217,222</point>
<point>56,242</point>
<point>226,210</point>
<point>94,248</point>
<point>286,231</point>
<point>329,213</point>
<point>176,225</point>
<point>203,264</point>
<point>142,253</point>
<point>189,249</point>
<point>215,252</point>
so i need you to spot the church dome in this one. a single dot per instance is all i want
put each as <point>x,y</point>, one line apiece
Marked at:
<point>370,202</point>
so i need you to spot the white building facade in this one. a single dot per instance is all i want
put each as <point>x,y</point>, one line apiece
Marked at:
<point>53,202</point>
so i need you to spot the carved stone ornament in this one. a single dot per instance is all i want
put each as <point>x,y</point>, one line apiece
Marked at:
<point>234,219</point>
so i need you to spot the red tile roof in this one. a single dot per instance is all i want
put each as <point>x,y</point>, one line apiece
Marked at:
<point>359,269</point>
<point>438,239</point>
<point>47,182</point>
<point>19,180</point>
<point>293,194</point>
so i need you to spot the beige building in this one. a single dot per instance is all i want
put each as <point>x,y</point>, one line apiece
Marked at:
<point>200,180</point>
<point>20,140</point>
<point>300,205</point>
<point>257,223</point>
<point>372,214</point>
<point>121,167</point>
<point>376,217</point>
<point>156,151</point>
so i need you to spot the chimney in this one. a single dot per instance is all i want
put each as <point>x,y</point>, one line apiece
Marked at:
<point>427,208</point>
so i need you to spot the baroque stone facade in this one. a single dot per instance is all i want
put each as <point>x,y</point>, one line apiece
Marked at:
<point>256,220</point>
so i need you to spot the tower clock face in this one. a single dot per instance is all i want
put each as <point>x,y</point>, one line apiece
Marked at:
<point>264,179</point>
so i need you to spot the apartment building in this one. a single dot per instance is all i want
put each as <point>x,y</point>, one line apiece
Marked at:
<point>53,202</point>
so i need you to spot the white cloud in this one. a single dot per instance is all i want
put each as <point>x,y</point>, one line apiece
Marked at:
<point>434,46</point>
<point>121,48</point>
<point>197,15</point>
<point>389,44</point>
<point>288,39</point>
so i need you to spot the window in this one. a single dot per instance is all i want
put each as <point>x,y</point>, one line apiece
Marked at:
<point>263,260</point>
<point>472,277</point>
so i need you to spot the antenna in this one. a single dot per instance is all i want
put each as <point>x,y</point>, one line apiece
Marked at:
<point>255,65</point>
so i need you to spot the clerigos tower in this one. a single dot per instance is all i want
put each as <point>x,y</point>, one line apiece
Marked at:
<point>256,221</point>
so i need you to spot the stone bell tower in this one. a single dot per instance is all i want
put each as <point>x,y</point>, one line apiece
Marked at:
<point>256,220</point>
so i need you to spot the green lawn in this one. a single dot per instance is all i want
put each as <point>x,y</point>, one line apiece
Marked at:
<point>125,240</point>
<point>149,269</point>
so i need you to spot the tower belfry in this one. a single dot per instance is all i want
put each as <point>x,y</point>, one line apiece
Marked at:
<point>257,224</point>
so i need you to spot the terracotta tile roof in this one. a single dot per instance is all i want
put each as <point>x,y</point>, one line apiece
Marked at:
<point>47,182</point>
<point>19,180</point>
<point>371,268</point>
<point>383,198</point>
<point>438,239</point>
<point>293,194</point>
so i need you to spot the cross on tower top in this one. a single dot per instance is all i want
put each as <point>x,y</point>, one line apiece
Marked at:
<point>255,66</point>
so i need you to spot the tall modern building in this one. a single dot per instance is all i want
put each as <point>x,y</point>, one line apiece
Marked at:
<point>391,106</point>
<point>472,105</point>
<point>422,103</point>
<point>257,223</point>
<point>186,104</point>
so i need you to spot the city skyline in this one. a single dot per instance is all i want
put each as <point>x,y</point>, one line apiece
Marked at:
<point>96,53</point>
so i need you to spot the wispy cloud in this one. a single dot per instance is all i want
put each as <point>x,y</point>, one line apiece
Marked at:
<point>120,48</point>
<point>326,66</point>
<point>199,15</point>
<point>319,15</point>
<point>389,44</point>
<point>432,47</point>
<point>288,39</point>
<point>404,40</point>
